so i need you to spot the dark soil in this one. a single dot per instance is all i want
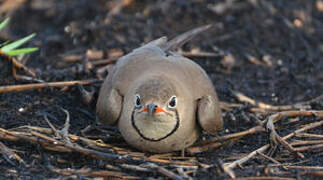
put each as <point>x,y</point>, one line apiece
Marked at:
<point>288,33</point>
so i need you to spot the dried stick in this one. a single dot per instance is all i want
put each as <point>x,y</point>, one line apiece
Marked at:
<point>276,117</point>
<point>262,109</point>
<point>269,158</point>
<point>184,174</point>
<point>304,167</point>
<point>118,7</point>
<point>95,144</point>
<point>64,131</point>
<point>51,126</point>
<point>22,77</point>
<point>265,178</point>
<point>72,58</point>
<point>56,145</point>
<point>23,67</point>
<point>199,54</point>
<point>309,148</point>
<point>8,154</point>
<point>24,87</point>
<point>164,171</point>
<point>121,155</point>
<point>17,64</point>
<point>310,135</point>
<point>299,143</point>
<point>275,138</point>
<point>218,141</point>
<point>90,172</point>
<point>228,106</point>
<point>134,167</point>
<point>314,173</point>
<point>228,168</point>
<point>289,147</point>
<point>243,98</point>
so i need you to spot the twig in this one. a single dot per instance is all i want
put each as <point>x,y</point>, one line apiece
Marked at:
<point>308,135</point>
<point>9,6</point>
<point>51,126</point>
<point>87,97</point>
<point>300,105</point>
<point>299,143</point>
<point>72,58</point>
<point>134,167</point>
<point>239,162</point>
<point>64,131</point>
<point>24,87</point>
<point>243,98</point>
<point>90,172</point>
<point>274,137</point>
<point>164,171</point>
<point>199,54</point>
<point>228,106</point>
<point>276,117</point>
<point>304,167</point>
<point>265,178</point>
<point>267,157</point>
<point>119,155</point>
<point>25,78</point>
<point>184,174</point>
<point>253,59</point>
<point>309,148</point>
<point>218,141</point>
<point>23,67</point>
<point>289,147</point>
<point>8,154</point>
<point>56,145</point>
<point>315,173</point>
<point>119,5</point>
<point>17,64</point>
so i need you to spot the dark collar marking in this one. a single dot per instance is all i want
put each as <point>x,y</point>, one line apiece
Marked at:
<point>150,139</point>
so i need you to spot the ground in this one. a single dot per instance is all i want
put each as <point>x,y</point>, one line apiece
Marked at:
<point>270,51</point>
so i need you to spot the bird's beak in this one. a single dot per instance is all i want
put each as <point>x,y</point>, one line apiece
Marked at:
<point>152,109</point>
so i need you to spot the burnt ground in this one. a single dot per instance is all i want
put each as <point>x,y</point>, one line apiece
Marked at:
<point>271,51</point>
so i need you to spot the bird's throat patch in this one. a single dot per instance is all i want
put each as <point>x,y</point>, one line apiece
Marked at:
<point>154,128</point>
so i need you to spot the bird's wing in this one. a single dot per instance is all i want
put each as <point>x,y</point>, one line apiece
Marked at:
<point>109,103</point>
<point>209,114</point>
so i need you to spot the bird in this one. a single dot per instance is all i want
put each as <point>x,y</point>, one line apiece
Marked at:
<point>160,100</point>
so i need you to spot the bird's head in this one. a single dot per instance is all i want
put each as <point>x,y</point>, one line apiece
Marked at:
<point>155,109</point>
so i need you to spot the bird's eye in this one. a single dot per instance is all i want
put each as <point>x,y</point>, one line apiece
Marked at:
<point>137,100</point>
<point>172,102</point>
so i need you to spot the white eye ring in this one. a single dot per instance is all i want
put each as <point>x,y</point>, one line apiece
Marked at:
<point>137,100</point>
<point>172,102</point>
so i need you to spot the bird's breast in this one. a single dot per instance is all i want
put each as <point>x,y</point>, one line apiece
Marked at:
<point>156,127</point>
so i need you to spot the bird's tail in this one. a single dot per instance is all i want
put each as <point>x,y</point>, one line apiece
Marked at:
<point>180,40</point>
<point>168,46</point>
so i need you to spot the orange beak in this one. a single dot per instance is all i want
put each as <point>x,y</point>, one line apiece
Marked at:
<point>157,110</point>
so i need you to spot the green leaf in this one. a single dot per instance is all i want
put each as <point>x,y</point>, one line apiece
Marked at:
<point>4,43</point>
<point>17,43</point>
<point>4,23</point>
<point>21,51</point>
